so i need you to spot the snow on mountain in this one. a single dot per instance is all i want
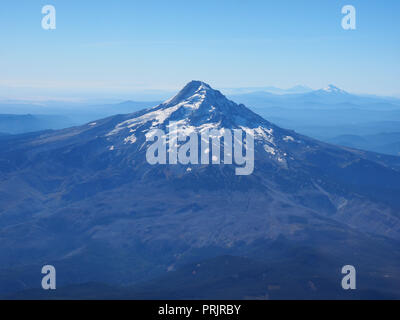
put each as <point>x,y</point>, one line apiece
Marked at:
<point>197,103</point>
<point>332,89</point>
<point>196,108</point>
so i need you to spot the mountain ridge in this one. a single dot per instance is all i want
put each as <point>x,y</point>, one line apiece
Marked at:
<point>85,197</point>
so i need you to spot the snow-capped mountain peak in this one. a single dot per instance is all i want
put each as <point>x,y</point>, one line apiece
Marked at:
<point>194,95</point>
<point>191,89</point>
<point>197,104</point>
<point>333,89</point>
<point>198,107</point>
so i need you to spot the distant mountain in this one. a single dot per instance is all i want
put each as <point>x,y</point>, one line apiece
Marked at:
<point>331,90</point>
<point>329,113</point>
<point>88,113</point>
<point>72,108</point>
<point>268,89</point>
<point>388,143</point>
<point>292,90</point>
<point>325,98</point>
<point>59,115</point>
<point>86,200</point>
<point>298,89</point>
<point>14,124</point>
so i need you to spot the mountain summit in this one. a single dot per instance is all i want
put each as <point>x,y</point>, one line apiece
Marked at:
<point>197,104</point>
<point>195,108</point>
<point>86,200</point>
<point>332,90</point>
<point>192,88</point>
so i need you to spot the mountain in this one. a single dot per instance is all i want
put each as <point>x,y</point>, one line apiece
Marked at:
<point>27,117</point>
<point>86,200</point>
<point>329,113</point>
<point>331,90</point>
<point>269,89</point>
<point>384,142</point>
<point>15,124</point>
<point>298,89</point>
<point>326,98</point>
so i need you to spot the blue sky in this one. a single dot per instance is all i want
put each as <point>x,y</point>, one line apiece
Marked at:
<point>123,47</point>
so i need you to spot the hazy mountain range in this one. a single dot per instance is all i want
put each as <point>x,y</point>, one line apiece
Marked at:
<point>333,115</point>
<point>86,200</point>
<point>267,89</point>
<point>17,117</point>
<point>329,114</point>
